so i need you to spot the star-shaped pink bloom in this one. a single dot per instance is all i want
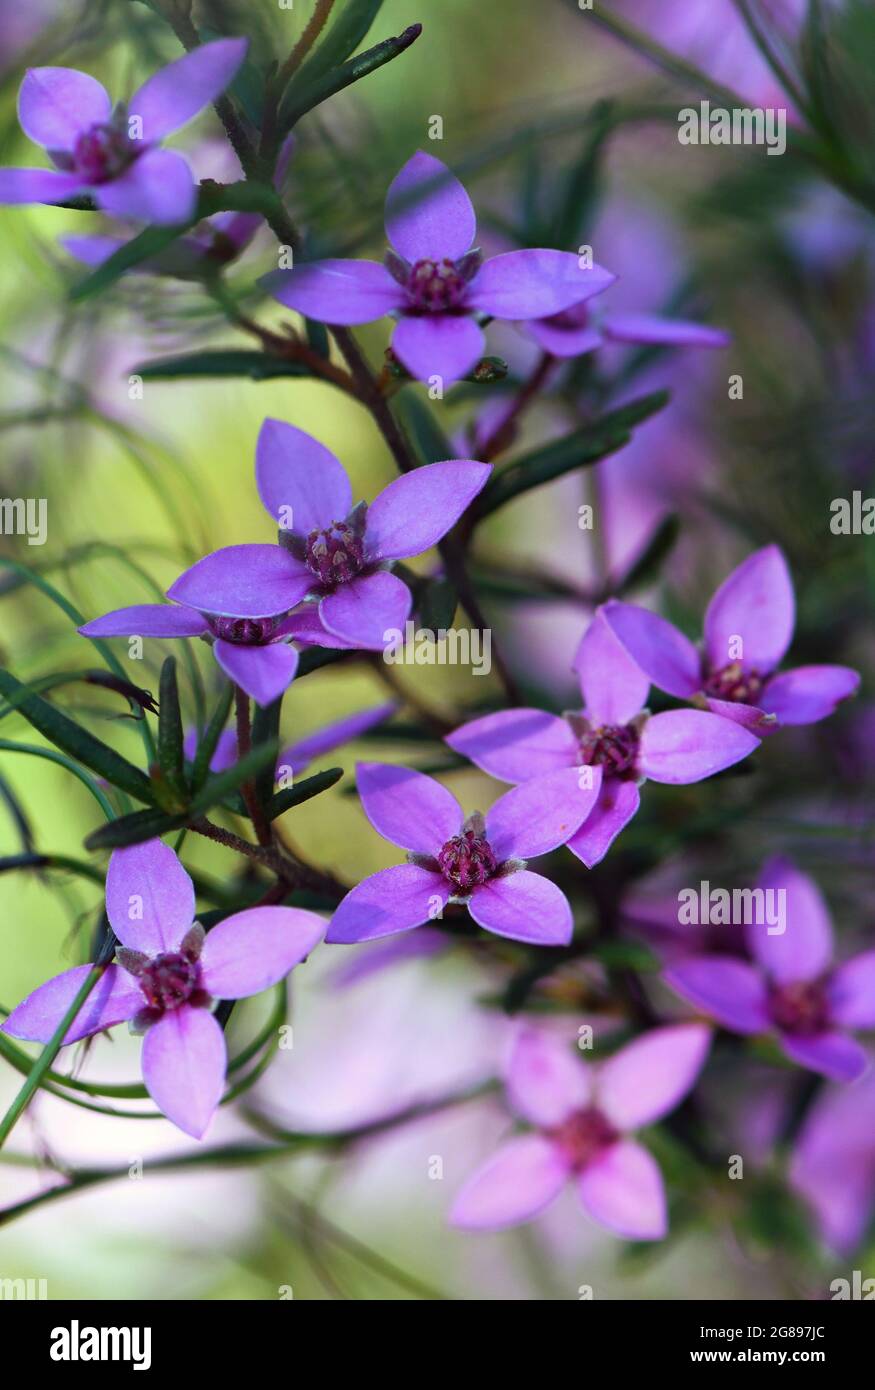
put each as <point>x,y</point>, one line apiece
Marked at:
<point>168,973</point>
<point>793,989</point>
<point>583,1117</point>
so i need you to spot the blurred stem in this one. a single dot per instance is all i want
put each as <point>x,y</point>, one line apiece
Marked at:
<point>230,841</point>
<point>759,37</point>
<point>318,20</point>
<point>260,823</point>
<point>503,435</point>
<point>289,348</point>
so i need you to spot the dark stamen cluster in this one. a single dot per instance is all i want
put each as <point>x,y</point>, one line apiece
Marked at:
<point>800,1008</point>
<point>103,152</point>
<point>584,1135</point>
<point>733,683</point>
<point>336,554</point>
<point>611,746</point>
<point>467,860</point>
<point>436,287</point>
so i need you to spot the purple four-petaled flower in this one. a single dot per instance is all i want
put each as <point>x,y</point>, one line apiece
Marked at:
<point>793,989</point>
<point>480,861</point>
<point>578,330</point>
<point>434,280</point>
<point>748,628</point>
<point>112,155</point>
<point>584,1115</point>
<point>613,733</point>
<point>168,973</point>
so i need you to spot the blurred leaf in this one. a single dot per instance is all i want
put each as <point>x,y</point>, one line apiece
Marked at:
<point>303,791</point>
<point>349,28</point>
<point>658,548</point>
<point>299,101</point>
<point>576,205</point>
<point>171,758</point>
<point>421,423</point>
<point>437,604</point>
<point>133,829</point>
<point>266,728</point>
<point>207,746</point>
<point>258,366</point>
<point>218,787</point>
<point>626,955</point>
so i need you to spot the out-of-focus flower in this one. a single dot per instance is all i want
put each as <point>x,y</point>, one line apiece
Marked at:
<point>577,330</point>
<point>168,973</point>
<point>298,756</point>
<point>748,628</point>
<point>613,733</point>
<point>584,1116</point>
<point>833,1163</point>
<point>793,989</point>
<point>434,281</point>
<point>480,862</point>
<point>113,155</point>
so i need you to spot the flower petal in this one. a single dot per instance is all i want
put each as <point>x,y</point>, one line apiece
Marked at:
<point>614,688</point>
<point>301,483</point>
<point>623,1190</point>
<point>177,92</point>
<point>55,105</point>
<point>804,950</point>
<point>265,673</point>
<point>299,755</point>
<point>649,1077</point>
<point>520,1179</point>
<point>389,901</point>
<point>158,187</point>
<point>829,1054</point>
<point>115,998</point>
<point>685,745</point>
<point>367,611</point>
<point>851,990</point>
<point>545,1082</point>
<point>541,814</point>
<point>525,907</point>
<point>809,693</point>
<point>534,284</point>
<point>755,603</point>
<point>433,224</point>
<point>147,620</point>
<point>653,328</point>
<point>617,803</point>
<point>252,950</point>
<point>336,291</point>
<point>37,186</point>
<point>149,897</point>
<point>408,808</point>
<point>305,626</point>
<point>184,1063</point>
<point>730,991</point>
<point>438,345</point>
<point>243,581</point>
<point>568,334</point>
<point>417,509</point>
<point>516,744</point>
<point>666,655</point>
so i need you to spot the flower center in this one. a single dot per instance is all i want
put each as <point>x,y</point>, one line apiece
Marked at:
<point>611,746</point>
<point>336,554</point>
<point>246,632</point>
<point>800,1008</point>
<point>169,980</point>
<point>434,287</point>
<point>467,860</point>
<point>103,152</point>
<point>733,683</point>
<point>584,1135</point>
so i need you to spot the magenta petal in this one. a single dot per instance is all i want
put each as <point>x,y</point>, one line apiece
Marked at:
<point>545,1082</point>
<point>668,658</point>
<point>252,950</point>
<point>37,186</point>
<point>265,673</point>
<point>184,1062</point>
<point>149,897</point>
<point>851,991</point>
<point>158,187</point>
<point>438,345</point>
<point>561,336</point>
<point>623,1190</point>
<point>115,998</point>
<point>617,803</point>
<point>614,688</point>
<point>335,291</point>
<point>408,808</point>
<point>520,1179</point>
<point>730,991</point>
<point>305,626</point>
<point>649,1077</point>
<point>755,603</point>
<point>525,907</point>
<point>652,328</point>
<point>433,224</point>
<point>55,105</point>
<point>91,250</point>
<point>368,612</point>
<point>685,745</point>
<point>417,509</point>
<point>516,744</point>
<point>809,693</point>
<point>541,814</point>
<point>299,755</point>
<point>748,716</point>
<point>301,483</point>
<point>804,950</point>
<point>392,900</point>
<point>176,93</point>
<point>534,284</point>
<point>147,620</point>
<point>829,1054</point>
<point>244,581</point>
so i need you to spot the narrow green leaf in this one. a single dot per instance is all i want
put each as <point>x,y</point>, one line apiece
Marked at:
<point>437,604</point>
<point>297,104</point>
<point>266,729</point>
<point>171,759</point>
<point>647,566</point>
<point>220,786</point>
<point>133,829</point>
<point>430,441</point>
<point>349,29</point>
<point>230,362</point>
<point>303,791</point>
<point>51,755</point>
<point>150,242</point>
<point>207,746</point>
